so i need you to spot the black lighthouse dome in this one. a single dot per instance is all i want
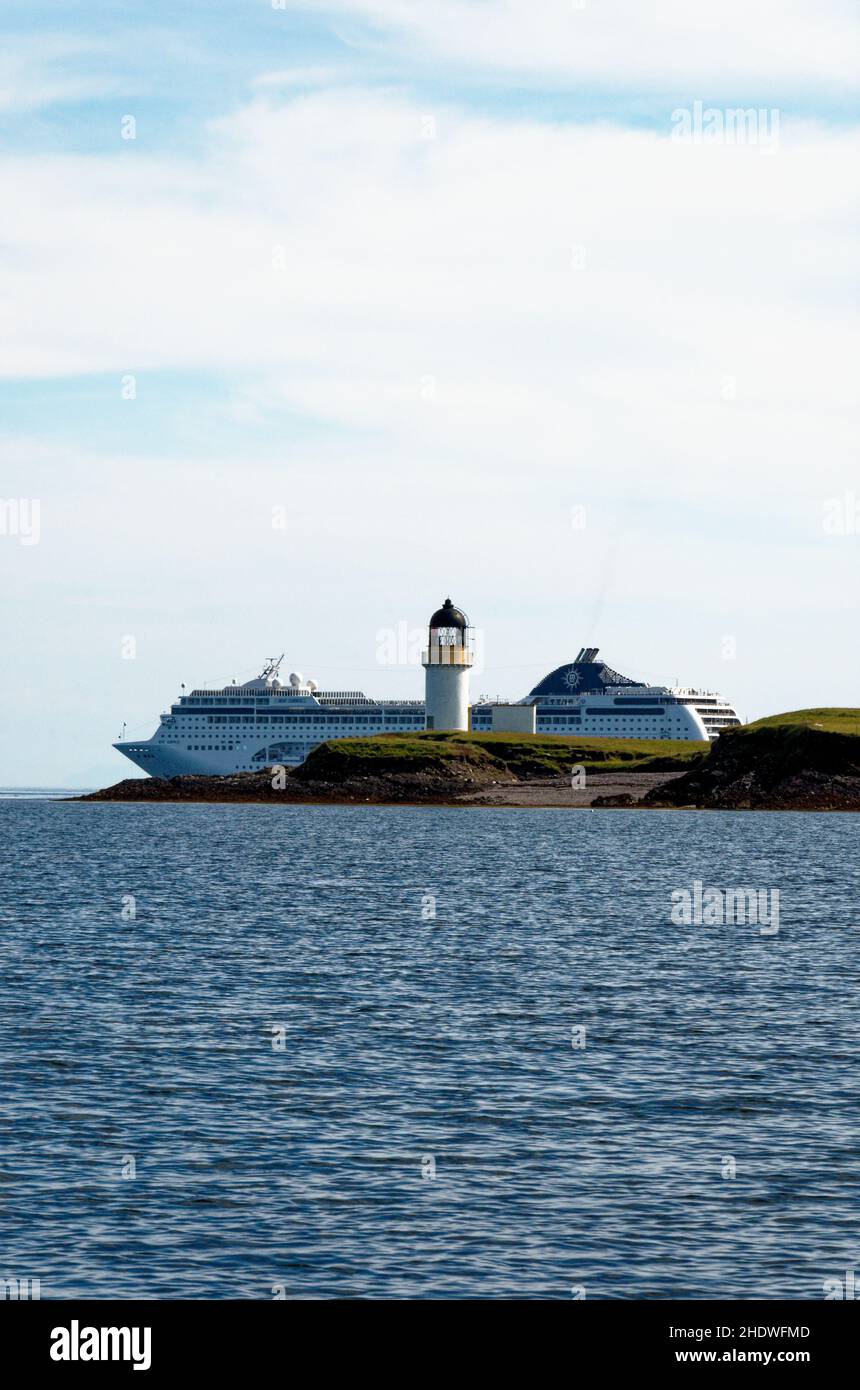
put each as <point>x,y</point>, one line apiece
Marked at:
<point>449,616</point>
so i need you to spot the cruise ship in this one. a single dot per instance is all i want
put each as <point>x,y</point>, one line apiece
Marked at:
<point>586,696</point>
<point>266,722</point>
<point>238,728</point>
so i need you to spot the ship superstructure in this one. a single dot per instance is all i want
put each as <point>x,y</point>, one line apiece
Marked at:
<point>587,697</point>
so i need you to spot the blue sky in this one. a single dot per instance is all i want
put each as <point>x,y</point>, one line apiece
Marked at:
<point>422,278</point>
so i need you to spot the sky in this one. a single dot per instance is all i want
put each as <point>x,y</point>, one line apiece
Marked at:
<point>313,314</point>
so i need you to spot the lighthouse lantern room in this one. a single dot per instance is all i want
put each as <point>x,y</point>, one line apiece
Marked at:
<point>447,662</point>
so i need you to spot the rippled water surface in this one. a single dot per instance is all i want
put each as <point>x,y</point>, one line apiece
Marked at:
<point>286,1048</point>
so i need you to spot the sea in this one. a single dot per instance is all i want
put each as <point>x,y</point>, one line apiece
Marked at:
<point>365,1052</point>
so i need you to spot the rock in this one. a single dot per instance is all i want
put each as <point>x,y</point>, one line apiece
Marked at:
<point>778,767</point>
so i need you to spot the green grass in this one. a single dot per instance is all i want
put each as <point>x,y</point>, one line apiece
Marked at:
<point>531,756</point>
<point>524,755</point>
<point>832,721</point>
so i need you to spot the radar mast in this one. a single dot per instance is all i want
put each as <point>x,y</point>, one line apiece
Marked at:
<point>270,670</point>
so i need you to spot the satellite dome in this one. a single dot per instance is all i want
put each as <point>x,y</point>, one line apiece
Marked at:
<point>449,616</point>
<point>295,679</point>
<point>276,685</point>
<point>312,685</point>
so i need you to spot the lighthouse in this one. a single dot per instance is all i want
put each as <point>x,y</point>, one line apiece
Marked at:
<point>447,662</point>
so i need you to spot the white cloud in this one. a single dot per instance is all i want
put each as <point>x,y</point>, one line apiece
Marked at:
<point>588,299</point>
<point>44,71</point>
<point>299,77</point>
<point>618,43</point>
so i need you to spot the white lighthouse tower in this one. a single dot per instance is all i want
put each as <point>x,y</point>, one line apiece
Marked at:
<point>447,662</point>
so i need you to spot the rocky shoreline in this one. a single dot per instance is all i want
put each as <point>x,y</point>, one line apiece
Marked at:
<point>778,768</point>
<point>789,767</point>
<point>410,789</point>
